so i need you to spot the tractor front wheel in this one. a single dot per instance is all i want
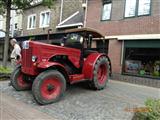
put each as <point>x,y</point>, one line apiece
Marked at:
<point>100,74</point>
<point>48,87</point>
<point>17,80</point>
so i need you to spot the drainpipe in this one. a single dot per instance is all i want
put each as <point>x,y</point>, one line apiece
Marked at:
<point>61,12</point>
<point>48,36</point>
<point>84,5</point>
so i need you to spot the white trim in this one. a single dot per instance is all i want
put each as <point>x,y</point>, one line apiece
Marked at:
<point>69,25</point>
<point>45,11</point>
<point>122,52</point>
<point>29,16</point>
<point>68,18</point>
<point>134,37</point>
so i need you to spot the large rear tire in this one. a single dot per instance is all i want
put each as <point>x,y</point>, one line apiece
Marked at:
<point>48,87</point>
<point>17,80</point>
<point>100,73</point>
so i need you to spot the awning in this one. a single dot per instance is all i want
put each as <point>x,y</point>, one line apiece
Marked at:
<point>142,43</point>
<point>135,37</point>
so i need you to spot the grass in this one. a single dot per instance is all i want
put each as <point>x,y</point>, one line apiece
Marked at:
<point>5,70</point>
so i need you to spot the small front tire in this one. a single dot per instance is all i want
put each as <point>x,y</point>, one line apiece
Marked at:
<point>17,80</point>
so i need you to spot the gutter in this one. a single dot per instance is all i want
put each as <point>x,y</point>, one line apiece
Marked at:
<point>69,25</point>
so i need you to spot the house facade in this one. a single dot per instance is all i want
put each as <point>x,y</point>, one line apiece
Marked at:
<point>15,28</point>
<point>132,29</point>
<point>40,19</point>
<point>15,24</point>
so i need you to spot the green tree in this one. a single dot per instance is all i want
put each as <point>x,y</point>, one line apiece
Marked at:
<point>5,8</point>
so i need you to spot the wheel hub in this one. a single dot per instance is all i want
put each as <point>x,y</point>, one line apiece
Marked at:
<point>50,87</point>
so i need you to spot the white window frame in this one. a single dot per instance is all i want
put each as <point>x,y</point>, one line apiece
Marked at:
<point>40,22</point>
<point>108,17</point>
<point>34,27</point>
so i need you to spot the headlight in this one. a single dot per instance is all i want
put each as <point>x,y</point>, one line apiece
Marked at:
<point>34,58</point>
<point>25,45</point>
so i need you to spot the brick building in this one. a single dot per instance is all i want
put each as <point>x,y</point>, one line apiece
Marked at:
<point>132,30</point>
<point>38,19</point>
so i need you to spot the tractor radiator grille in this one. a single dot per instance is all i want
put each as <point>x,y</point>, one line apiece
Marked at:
<point>27,57</point>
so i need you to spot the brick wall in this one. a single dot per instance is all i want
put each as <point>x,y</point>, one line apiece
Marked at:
<point>120,26</point>
<point>37,10</point>
<point>70,7</point>
<point>115,55</point>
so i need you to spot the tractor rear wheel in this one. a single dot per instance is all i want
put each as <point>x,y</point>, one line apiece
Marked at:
<point>100,73</point>
<point>17,80</point>
<point>48,87</point>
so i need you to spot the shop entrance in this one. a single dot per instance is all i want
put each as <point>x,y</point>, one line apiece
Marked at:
<point>142,61</point>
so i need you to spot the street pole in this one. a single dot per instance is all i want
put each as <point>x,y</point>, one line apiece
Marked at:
<point>48,36</point>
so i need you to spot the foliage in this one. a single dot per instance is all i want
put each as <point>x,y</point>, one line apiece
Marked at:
<point>48,3</point>
<point>21,4</point>
<point>153,106</point>
<point>5,70</point>
<point>5,8</point>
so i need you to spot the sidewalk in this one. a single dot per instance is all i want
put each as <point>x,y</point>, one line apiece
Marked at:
<point>10,109</point>
<point>79,103</point>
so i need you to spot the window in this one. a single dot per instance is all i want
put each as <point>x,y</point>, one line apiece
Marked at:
<point>144,7</point>
<point>44,19</point>
<point>106,11</point>
<point>31,21</point>
<point>130,8</point>
<point>142,62</point>
<point>137,8</point>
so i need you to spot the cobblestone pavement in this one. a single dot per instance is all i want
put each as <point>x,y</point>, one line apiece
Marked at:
<point>11,109</point>
<point>80,103</point>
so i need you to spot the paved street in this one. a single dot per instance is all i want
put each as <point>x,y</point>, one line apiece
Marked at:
<point>80,103</point>
<point>16,110</point>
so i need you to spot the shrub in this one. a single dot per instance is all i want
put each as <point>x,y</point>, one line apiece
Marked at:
<point>5,70</point>
<point>153,113</point>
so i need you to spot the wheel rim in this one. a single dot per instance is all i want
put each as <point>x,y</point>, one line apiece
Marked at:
<point>20,81</point>
<point>51,88</point>
<point>102,73</point>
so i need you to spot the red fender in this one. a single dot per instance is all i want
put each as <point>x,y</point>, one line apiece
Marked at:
<point>89,65</point>
<point>59,67</point>
<point>45,65</point>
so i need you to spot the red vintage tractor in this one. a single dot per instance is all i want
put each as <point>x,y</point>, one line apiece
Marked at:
<point>48,68</point>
